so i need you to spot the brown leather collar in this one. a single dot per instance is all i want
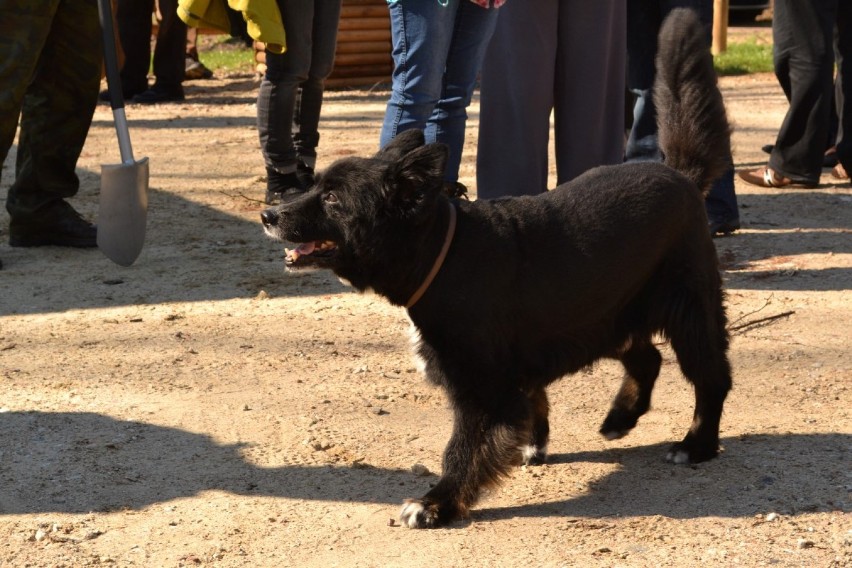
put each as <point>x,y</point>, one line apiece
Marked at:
<point>451,230</point>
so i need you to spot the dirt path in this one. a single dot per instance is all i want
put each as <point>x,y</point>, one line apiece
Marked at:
<point>204,408</point>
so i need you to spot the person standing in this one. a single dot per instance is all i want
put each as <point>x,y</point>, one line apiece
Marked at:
<point>564,56</point>
<point>438,47</point>
<point>804,57</point>
<point>134,18</point>
<point>289,101</point>
<point>50,72</point>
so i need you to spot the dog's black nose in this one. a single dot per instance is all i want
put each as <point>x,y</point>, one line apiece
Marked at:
<point>269,217</point>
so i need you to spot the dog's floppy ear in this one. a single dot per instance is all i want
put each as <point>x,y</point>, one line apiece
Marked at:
<point>401,145</point>
<point>416,178</point>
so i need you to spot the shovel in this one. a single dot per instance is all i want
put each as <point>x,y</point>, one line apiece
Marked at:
<point>123,210</point>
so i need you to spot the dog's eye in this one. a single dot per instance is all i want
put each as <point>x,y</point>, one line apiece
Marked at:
<point>330,198</point>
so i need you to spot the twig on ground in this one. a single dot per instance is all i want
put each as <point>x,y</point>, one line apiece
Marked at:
<point>732,325</point>
<point>767,319</point>
<point>736,326</point>
<point>252,199</point>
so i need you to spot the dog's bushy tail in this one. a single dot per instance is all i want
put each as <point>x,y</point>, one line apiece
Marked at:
<point>694,134</point>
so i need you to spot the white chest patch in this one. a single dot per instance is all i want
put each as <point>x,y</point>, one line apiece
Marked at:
<point>414,340</point>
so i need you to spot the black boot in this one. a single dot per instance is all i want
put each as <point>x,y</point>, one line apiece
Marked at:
<point>57,224</point>
<point>282,187</point>
<point>305,173</point>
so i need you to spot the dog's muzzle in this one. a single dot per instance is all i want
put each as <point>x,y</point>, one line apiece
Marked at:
<point>269,218</point>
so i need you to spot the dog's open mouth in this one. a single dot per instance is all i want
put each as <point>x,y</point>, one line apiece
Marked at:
<point>310,252</point>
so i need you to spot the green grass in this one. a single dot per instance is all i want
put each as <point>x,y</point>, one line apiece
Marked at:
<point>740,59</point>
<point>744,58</point>
<point>227,55</point>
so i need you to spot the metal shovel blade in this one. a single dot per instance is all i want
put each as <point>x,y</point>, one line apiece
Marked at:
<point>123,211</point>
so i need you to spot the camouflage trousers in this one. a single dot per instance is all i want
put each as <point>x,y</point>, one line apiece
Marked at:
<point>50,65</point>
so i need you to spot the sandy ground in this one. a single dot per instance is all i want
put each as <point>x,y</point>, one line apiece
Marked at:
<point>202,407</point>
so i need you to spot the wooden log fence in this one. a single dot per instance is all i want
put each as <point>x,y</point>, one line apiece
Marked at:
<point>363,56</point>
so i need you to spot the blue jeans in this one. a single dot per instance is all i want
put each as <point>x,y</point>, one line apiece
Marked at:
<point>437,53</point>
<point>644,20</point>
<point>291,92</point>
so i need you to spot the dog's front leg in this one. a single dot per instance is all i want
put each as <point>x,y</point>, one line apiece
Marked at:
<point>482,450</point>
<point>535,451</point>
<point>641,362</point>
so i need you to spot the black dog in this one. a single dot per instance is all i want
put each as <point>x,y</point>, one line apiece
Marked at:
<point>509,295</point>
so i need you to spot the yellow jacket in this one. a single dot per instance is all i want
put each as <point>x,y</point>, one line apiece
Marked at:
<point>263,18</point>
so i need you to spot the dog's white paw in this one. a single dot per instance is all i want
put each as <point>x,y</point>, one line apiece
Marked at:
<point>533,455</point>
<point>416,515</point>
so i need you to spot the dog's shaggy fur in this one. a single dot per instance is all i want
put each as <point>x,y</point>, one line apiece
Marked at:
<point>534,288</point>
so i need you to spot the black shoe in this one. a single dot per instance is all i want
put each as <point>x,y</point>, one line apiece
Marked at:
<point>723,227</point>
<point>126,93</point>
<point>280,197</point>
<point>282,187</point>
<point>159,94</point>
<point>57,224</point>
<point>305,173</point>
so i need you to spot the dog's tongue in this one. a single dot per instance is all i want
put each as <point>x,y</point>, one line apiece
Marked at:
<point>302,249</point>
<point>306,248</point>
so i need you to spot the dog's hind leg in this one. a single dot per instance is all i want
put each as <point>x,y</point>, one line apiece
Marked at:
<point>641,362</point>
<point>534,452</point>
<point>482,450</point>
<point>700,341</point>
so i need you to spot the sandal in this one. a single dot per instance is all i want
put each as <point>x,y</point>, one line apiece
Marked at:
<point>829,159</point>
<point>839,172</point>
<point>767,177</point>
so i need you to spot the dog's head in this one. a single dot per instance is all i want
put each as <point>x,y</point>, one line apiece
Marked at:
<point>364,216</point>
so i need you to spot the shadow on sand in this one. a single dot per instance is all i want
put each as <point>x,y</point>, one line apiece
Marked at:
<point>81,462</point>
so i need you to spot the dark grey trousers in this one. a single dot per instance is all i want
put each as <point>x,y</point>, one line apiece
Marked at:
<point>564,56</point>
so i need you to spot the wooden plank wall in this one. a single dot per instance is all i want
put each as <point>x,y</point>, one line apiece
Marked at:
<point>363,56</point>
